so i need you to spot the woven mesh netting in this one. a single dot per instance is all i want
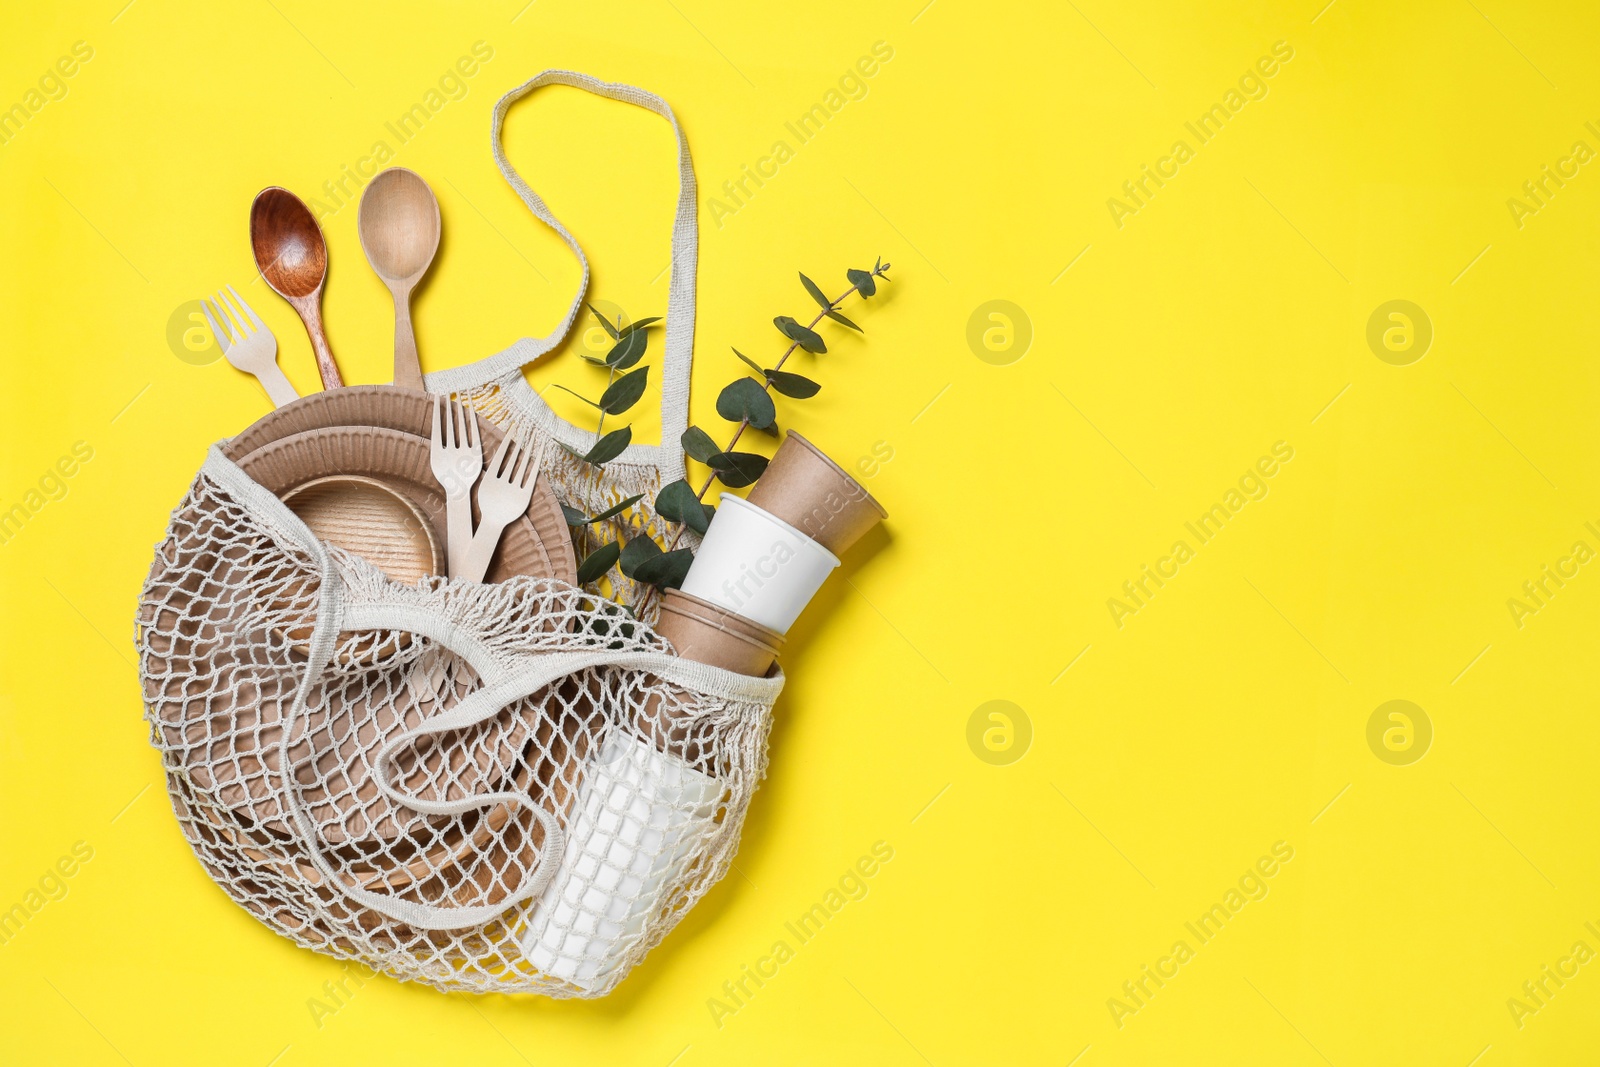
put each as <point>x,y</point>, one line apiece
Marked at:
<point>497,788</point>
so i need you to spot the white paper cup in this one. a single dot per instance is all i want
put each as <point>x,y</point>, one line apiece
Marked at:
<point>638,820</point>
<point>756,565</point>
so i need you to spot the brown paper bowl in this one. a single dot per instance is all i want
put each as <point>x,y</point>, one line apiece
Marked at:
<point>371,519</point>
<point>812,493</point>
<point>706,633</point>
<point>387,407</point>
<point>384,406</point>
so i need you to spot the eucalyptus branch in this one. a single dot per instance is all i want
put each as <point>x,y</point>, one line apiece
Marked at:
<point>620,394</point>
<point>746,405</point>
<point>766,386</point>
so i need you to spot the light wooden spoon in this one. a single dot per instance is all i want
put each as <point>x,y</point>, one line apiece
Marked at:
<point>399,226</point>
<point>293,258</point>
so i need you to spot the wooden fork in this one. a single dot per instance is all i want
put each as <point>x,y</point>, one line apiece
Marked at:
<point>502,498</point>
<point>457,460</point>
<point>248,344</point>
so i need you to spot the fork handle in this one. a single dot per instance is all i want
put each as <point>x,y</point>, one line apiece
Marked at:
<point>277,386</point>
<point>475,562</point>
<point>458,532</point>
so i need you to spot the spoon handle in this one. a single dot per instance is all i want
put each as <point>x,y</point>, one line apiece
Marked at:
<point>310,309</point>
<point>407,365</point>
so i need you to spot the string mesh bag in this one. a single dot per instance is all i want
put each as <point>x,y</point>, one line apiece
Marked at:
<point>512,787</point>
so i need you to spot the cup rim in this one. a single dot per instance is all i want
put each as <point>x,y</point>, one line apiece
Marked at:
<point>726,620</point>
<point>866,496</point>
<point>728,498</point>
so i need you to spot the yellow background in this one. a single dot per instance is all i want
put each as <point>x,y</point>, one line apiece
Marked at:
<point>1228,314</point>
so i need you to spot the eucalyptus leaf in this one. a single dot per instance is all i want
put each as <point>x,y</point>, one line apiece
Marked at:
<point>698,444</point>
<point>744,399</point>
<point>841,320</point>
<point>816,293</point>
<point>638,551</point>
<point>677,502</point>
<point>796,385</point>
<point>615,510</point>
<point>668,570</point>
<point>752,364</point>
<point>598,562</point>
<point>609,447</point>
<point>574,516</point>
<point>803,336</point>
<point>640,324</point>
<point>625,392</point>
<point>610,329</point>
<point>738,469</point>
<point>864,282</point>
<point>593,361</point>
<point>574,392</point>
<point>627,351</point>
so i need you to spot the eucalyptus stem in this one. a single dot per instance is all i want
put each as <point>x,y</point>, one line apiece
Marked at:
<point>766,384</point>
<point>611,376</point>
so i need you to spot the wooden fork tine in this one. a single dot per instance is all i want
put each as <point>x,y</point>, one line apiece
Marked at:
<point>527,467</point>
<point>238,317</point>
<point>498,461</point>
<point>223,340</point>
<point>249,311</point>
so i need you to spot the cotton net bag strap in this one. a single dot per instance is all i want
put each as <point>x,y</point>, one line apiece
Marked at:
<point>496,387</point>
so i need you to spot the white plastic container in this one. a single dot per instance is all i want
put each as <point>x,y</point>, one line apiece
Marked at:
<point>638,818</point>
<point>756,565</point>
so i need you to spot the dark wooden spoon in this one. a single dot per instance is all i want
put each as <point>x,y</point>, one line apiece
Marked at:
<point>293,258</point>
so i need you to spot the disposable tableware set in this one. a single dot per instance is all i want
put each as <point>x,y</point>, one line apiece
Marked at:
<point>394,726</point>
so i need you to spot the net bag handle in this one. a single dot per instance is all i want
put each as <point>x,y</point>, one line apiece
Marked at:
<point>679,343</point>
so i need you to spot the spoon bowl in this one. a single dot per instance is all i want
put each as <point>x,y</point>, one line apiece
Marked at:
<point>292,256</point>
<point>399,226</point>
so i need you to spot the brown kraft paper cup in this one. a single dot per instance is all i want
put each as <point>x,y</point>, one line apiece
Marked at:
<point>812,493</point>
<point>705,633</point>
<point>712,635</point>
